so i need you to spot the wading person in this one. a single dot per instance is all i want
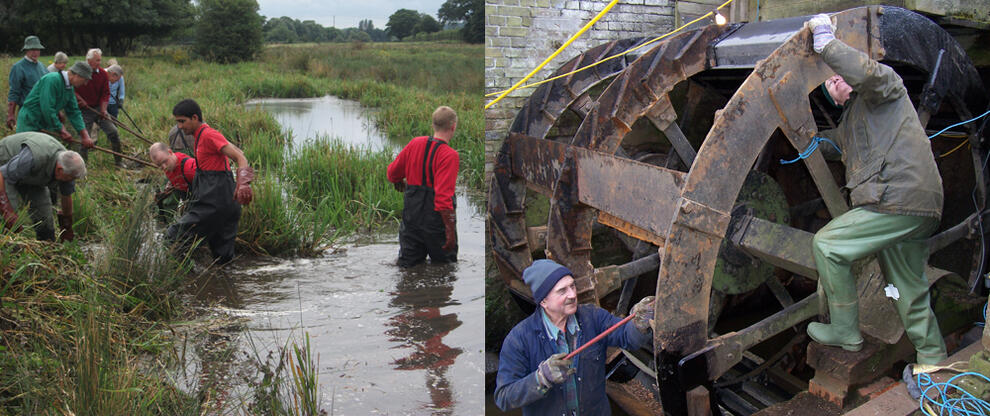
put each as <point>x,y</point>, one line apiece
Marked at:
<point>180,170</point>
<point>426,171</point>
<point>52,93</point>
<point>532,370</point>
<point>96,95</point>
<point>59,63</point>
<point>23,75</point>
<point>895,193</point>
<point>29,164</point>
<point>215,206</point>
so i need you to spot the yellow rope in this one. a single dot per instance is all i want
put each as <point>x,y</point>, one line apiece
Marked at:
<point>535,84</point>
<point>557,52</point>
<point>953,150</point>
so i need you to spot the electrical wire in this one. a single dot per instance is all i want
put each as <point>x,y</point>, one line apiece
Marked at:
<point>811,149</point>
<point>949,398</point>
<point>953,150</point>
<point>959,124</point>
<point>501,94</point>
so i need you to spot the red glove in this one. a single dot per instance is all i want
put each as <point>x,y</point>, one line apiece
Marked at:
<point>449,228</point>
<point>242,193</point>
<point>87,142</point>
<point>64,134</point>
<point>65,223</point>
<point>11,108</point>
<point>9,216</point>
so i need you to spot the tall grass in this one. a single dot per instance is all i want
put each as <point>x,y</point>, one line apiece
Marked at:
<point>289,383</point>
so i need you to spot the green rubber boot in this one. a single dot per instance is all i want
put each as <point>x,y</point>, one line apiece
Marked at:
<point>843,331</point>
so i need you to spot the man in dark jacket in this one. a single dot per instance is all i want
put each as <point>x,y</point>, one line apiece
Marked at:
<point>532,371</point>
<point>29,164</point>
<point>895,192</point>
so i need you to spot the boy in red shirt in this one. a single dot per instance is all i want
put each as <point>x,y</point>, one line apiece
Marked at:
<point>426,171</point>
<point>180,170</point>
<point>216,198</point>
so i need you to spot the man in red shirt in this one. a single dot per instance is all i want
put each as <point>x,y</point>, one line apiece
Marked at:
<point>180,170</point>
<point>426,171</point>
<point>96,95</point>
<point>216,197</point>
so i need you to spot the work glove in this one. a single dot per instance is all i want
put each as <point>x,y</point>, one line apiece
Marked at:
<point>823,31</point>
<point>644,314</point>
<point>242,194</point>
<point>9,216</point>
<point>65,135</point>
<point>554,370</point>
<point>86,141</point>
<point>65,223</point>
<point>160,196</point>
<point>450,229</point>
<point>399,186</point>
<point>11,108</point>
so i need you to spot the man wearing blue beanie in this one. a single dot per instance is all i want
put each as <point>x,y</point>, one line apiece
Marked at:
<point>532,371</point>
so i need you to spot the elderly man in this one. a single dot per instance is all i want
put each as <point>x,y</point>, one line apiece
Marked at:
<point>54,92</point>
<point>23,75</point>
<point>59,63</point>
<point>895,192</point>
<point>532,371</point>
<point>29,164</point>
<point>180,170</point>
<point>117,93</point>
<point>93,99</point>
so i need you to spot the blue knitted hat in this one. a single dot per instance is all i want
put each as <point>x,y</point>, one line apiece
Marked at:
<point>542,276</point>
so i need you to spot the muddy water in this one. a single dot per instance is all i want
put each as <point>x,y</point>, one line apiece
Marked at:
<point>389,341</point>
<point>308,118</point>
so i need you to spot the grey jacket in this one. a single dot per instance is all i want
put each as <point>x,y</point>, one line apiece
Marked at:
<point>889,163</point>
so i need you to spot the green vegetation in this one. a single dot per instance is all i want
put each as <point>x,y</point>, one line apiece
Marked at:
<point>84,325</point>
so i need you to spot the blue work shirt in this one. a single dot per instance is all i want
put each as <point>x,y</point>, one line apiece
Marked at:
<point>529,343</point>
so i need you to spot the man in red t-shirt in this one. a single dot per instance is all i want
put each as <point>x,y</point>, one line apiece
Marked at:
<point>180,170</point>
<point>426,171</point>
<point>216,203</point>
<point>96,95</point>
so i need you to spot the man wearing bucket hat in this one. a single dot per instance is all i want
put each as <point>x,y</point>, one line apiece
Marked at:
<point>23,75</point>
<point>532,371</point>
<point>52,93</point>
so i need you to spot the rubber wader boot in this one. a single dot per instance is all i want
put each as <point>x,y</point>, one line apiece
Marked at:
<point>844,329</point>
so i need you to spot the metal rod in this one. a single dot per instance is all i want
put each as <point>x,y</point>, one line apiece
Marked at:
<point>103,149</point>
<point>119,124</point>
<point>600,336</point>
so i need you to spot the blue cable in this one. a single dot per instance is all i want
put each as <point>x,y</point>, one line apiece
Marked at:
<point>811,149</point>
<point>981,324</point>
<point>964,404</point>
<point>959,124</point>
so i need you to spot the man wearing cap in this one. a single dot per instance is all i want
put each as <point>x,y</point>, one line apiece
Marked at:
<point>532,371</point>
<point>29,164</point>
<point>52,93</point>
<point>23,75</point>
<point>96,96</point>
<point>895,193</point>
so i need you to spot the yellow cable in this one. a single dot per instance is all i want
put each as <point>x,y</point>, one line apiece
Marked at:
<point>953,150</point>
<point>554,55</point>
<point>654,40</point>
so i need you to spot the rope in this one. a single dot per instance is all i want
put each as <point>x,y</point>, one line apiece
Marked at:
<point>959,124</point>
<point>503,93</point>
<point>811,149</point>
<point>961,402</point>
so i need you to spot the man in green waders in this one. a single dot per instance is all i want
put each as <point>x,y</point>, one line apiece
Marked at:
<point>29,164</point>
<point>426,172</point>
<point>216,203</point>
<point>896,195</point>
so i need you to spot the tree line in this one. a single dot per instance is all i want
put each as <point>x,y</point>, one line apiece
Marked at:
<point>221,30</point>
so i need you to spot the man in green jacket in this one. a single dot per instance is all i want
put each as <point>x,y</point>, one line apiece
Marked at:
<point>29,164</point>
<point>55,92</point>
<point>23,75</point>
<point>895,192</point>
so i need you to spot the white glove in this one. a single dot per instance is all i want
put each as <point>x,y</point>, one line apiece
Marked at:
<point>823,30</point>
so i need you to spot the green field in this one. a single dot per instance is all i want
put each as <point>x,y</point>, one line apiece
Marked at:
<point>84,326</point>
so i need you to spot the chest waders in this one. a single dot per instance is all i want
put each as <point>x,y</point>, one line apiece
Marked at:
<point>422,231</point>
<point>212,215</point>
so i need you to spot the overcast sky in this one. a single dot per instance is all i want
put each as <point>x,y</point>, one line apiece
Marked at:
<point>348,12</point>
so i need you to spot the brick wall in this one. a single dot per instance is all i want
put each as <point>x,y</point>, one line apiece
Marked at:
<point>519,34</point>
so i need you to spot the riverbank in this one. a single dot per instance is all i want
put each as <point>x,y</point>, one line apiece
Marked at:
<point>89,322</point>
